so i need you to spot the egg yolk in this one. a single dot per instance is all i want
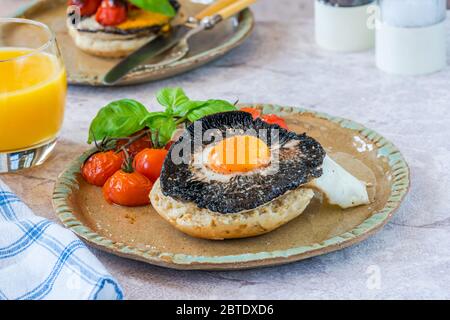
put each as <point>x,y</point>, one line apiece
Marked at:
<point>142,19</point>
<point>238,154</point>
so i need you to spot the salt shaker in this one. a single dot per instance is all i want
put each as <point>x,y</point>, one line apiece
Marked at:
<point>411,36</point>
<point>343,25</point>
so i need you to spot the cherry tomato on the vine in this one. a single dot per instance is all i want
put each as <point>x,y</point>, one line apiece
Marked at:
<point>127,189</point>
<point>169,144</point>
<point>274,119</point>
<point>87,7</point>
<point>137,146</point>
<point>111,12</point>
<point>131,6</point>
<point>269,118</point>
<point>100,166</point>
<point>256,113</point>
<point>149,162</point>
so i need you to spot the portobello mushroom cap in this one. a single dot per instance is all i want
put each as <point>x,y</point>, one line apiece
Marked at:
<point>299,160</point>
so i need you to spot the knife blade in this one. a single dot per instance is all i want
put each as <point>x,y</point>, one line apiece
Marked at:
<point>151,49</point>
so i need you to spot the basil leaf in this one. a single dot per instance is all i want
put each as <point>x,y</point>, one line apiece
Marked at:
<point>210,107</point>
<point>171,98</point>
<point>152,115</point>
<point>165,126</point>
<point>183,109</point>
<point>117,119</point>
<point>159,6</point>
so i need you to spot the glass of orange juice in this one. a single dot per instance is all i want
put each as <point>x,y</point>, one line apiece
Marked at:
<point>33,89</point>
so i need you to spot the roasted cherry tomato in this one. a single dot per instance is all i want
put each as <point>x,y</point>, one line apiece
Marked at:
<point>87,7</point>
<point>149,162</point>
<point>127,189</point>
<point>274,119</point>
<point>100,166</point>
<point>169,144</point>
<point>137,146</point>
<point>131,6</point>
<point>111,12</point>
<point>256,113</point>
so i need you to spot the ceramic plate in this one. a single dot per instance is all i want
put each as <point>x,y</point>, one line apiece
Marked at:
<point>140,234</point>
<point>85,69</point>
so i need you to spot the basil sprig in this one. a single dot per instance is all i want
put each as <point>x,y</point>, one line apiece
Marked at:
<point>125,117</point>
<point>176,101</point>
<point>159,6</point>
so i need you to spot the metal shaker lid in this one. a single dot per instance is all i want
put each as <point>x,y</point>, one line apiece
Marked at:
<point>347,3</point>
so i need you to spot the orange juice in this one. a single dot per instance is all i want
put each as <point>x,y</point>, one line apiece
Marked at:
<point>32,97</point>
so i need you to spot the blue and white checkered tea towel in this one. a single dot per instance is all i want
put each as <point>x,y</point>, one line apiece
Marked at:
<point>42,260</point>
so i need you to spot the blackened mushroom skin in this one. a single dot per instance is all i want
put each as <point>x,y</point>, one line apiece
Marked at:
<point>300,160</point>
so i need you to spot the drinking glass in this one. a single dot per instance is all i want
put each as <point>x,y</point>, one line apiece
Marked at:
<point>33,90</point>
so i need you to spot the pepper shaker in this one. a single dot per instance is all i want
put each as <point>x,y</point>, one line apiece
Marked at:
<point>342,25</point>
<point>411,36</point>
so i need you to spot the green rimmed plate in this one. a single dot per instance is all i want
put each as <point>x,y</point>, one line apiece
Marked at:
<point>140,234</point>
<point>85,69</point>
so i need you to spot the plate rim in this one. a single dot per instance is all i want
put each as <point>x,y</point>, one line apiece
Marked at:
<point>245,29</point>
<point>67,182</point>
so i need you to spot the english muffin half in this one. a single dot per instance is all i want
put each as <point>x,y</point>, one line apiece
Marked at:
<point>203,223</point>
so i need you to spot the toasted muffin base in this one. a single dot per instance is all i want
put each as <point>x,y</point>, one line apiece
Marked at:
<point>206,224</point>
<point>107,46</point>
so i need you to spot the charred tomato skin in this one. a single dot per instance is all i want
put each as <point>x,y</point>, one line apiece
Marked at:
<point>127,189</point>
<point>149,162</point>
<point>100,166</point>
<point>111,12</point>
<point>87,7</point>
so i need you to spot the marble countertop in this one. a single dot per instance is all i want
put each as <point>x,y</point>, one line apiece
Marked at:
<point>280,63</point>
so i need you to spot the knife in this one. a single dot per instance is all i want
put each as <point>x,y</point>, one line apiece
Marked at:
<point>157,46</point>
<point>207,18</point>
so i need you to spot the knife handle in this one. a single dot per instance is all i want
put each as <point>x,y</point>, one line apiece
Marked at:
<point>234,8</point>
<point>213,8</point>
